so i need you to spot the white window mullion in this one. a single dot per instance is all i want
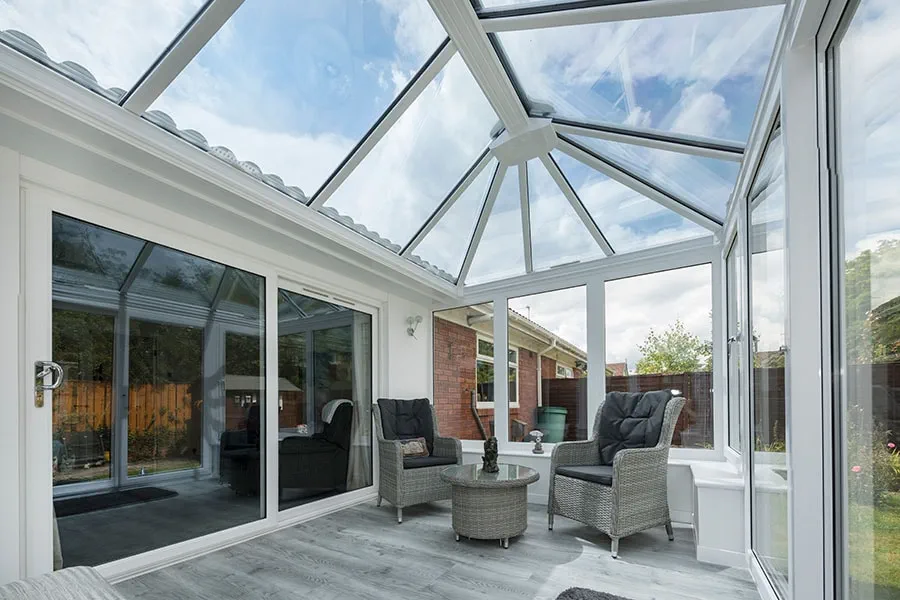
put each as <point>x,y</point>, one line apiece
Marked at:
<point>501,387</point>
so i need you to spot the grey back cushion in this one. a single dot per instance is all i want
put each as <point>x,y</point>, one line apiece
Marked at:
<point>631,420</point>
<point>407,419</point>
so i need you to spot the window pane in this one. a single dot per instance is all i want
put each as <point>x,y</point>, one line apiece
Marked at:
<point>734,273</point>
<point>116,41</point>
<point>423,155</point>
<point>462,383</point>
<point>164,398</point>
<point>769,475</point>
<point>325,399</point>
<point>558,236</point>
<point>629,220</point>
<point>550,331</point>
<point>868,120</point>
<point>445,246</point>
<point>292,86</point>
<point>697,74</point>
<point>704,182</point>
<point>501,252</point>
<point>659,336</point>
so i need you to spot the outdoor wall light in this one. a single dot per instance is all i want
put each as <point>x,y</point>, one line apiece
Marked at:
<point>412,323</point>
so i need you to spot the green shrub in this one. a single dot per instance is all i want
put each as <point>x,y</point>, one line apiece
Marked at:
<point>873,460</point>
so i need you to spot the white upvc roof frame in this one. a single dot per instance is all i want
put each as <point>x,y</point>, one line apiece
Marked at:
<point>486,210</point>
<point>557,15</point>
<point>70,99</point>
<point>173,60</point>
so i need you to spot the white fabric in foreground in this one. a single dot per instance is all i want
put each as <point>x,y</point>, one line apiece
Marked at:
<point>77,583</point>
<point>330,408</point>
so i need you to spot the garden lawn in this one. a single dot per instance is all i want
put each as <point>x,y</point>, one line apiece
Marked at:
<point>875,547</point>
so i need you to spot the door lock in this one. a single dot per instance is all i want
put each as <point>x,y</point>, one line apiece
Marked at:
<point>42,368</point>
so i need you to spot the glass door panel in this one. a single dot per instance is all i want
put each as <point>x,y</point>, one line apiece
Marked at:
<point>83,343</point>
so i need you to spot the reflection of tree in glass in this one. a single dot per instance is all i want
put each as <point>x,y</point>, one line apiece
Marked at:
<point>873,315</point>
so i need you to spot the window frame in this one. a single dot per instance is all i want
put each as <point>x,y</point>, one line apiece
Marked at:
<point>489,404</point>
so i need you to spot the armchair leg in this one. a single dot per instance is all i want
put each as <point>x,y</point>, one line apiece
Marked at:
<point>550,521</point>
<point>615,547</point>
<point>399,514</point>
<point>669,531</point>
<point>378,502</point>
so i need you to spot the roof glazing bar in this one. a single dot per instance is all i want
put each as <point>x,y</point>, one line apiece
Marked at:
<point>638,184</point>
<point>579,12</point>
<point>582,212</point>
<point>136,267</point>
<point>650,138</point>
<point>461,186</point>
<point>186,45</point>
<point>413,88</point>
<point>526,216</point>
<point>486,210</point>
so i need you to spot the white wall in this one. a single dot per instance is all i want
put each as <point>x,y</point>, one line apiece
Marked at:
<point>407,360</point>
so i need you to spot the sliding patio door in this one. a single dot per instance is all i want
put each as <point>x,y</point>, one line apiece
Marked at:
<point>155,433</point>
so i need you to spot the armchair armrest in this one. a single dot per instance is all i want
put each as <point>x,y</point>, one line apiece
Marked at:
<point>448,447</point>
<point>390,455</point>
<point>574,453</point>
<point>640,467</point>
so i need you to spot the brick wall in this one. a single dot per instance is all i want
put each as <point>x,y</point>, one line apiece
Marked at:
<point>454,380</point>
<point>548,368</point>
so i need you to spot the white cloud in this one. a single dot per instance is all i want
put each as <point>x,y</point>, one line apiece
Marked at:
<point>117,40</point>
<point>564,312</point>
<point>637,304</point>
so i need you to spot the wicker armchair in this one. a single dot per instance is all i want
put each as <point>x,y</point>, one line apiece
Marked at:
<point>405,482</point>
<point>634,496</point>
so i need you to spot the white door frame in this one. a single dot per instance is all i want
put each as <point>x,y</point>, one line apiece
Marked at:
<point>40,197</point>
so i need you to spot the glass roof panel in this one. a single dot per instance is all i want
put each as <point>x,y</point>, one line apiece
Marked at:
<point>697,74</point>
<point>501,252</point>
<point>293,307</point>
<point>630,221</point>
<point>178,276</point>
<point>117,42</point>
<point>292,86</point>
<point>88,255</point>
<point>557,234</point>
<point>445,246</point>
<point>704,182</point>
<point>416,164</point>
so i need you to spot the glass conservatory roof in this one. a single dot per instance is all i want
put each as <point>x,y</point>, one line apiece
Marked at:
<point>479,141</point>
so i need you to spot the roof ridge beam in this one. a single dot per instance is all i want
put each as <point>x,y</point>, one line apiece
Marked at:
<point>638,184</point>
<point>580,12</point>
<point>465,29</point>
<point>173,60</point>
<point>414,87</point>
<point>572,196</point>
<point>447,203</point>
<point>486,209</point>
<point>652,138</point>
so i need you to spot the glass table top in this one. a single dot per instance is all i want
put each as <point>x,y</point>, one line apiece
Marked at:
<point>475,475</point>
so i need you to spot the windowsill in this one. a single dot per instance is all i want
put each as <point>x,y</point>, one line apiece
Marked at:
<point>490,405</point>
<point>721,475</point>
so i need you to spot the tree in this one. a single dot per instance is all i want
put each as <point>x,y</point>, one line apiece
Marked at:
<point>675,350</point>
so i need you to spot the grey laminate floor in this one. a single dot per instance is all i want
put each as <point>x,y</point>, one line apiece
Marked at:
<point>361,552</point>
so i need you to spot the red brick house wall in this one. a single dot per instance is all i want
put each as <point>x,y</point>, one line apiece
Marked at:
<point>454,379</point>
<point>548,368</point>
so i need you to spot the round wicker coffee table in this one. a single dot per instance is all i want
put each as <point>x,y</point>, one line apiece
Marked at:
<point>489,506</point>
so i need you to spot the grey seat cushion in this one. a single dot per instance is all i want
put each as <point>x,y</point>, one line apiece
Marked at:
<point>631,420</point>
<point>602,474</point>
<point>407,419</point>
<point>417,462</point>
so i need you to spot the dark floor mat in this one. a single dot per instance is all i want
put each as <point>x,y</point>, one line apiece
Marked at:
<point>85,504</point>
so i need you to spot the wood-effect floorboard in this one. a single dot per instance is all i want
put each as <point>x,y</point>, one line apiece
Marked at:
<point>363,553</point>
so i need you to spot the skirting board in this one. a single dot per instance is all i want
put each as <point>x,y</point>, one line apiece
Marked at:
<point>725,558</point>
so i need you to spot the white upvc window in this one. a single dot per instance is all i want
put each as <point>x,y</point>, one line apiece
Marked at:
<point>564,372</point>
<point>484,373</point>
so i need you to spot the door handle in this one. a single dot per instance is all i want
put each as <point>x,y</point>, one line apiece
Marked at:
<point>42,368</point>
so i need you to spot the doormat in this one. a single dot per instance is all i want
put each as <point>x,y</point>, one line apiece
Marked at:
<point>586,594</point>
<point>85,504</point>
